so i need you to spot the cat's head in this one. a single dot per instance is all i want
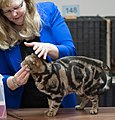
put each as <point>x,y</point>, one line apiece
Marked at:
<point>34,63</point>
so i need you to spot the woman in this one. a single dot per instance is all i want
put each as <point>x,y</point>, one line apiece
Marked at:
<point>44,30</point>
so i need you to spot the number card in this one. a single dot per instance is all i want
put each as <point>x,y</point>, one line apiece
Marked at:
<point>71,10</point>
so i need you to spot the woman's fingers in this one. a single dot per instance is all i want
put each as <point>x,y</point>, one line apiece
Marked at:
<point>41,53</point>
<point>24,68</point>
<point>45,54</point>
<point>41,49</point>
<point>36,46</point>
<point>30,44</point>
<point>25,79</point>
<point>38,50</point>
<point>22,77</point>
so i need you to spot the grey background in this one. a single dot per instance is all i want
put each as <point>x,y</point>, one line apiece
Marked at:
<point>90,7</point>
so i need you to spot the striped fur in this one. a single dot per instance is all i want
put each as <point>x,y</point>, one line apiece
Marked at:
<point>78,74</point>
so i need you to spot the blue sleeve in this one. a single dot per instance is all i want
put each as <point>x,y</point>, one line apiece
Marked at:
<point>12,97</point>
<point>61,34</point>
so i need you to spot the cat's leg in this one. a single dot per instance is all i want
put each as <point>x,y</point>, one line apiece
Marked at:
<point>94,100</point>
<point>53,107</point>
<point>84,101</point>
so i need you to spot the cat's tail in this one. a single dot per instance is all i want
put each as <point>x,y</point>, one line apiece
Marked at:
<point>106,77</point>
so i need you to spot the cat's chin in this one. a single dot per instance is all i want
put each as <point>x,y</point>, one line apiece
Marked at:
<point>40,86</point>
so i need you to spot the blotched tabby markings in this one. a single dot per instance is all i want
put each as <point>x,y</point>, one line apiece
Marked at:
<point>78,74</point>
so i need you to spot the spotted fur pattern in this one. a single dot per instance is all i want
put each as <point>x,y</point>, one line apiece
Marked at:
<point>78,74</point>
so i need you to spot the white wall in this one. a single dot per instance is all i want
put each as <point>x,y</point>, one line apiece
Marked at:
<point>94,7</point>
<point>90,7</point>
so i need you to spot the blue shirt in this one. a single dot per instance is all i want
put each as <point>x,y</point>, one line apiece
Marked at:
<point>55,31</point>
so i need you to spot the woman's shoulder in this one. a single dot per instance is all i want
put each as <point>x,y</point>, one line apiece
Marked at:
<point>46,6</point>
<point>47,11</point>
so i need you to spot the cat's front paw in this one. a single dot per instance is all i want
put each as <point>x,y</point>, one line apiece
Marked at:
<point>51,113</point>
<point>78,107</point>
<point>93,111</point>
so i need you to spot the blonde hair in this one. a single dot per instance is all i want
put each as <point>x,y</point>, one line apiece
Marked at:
<point>9,34</point>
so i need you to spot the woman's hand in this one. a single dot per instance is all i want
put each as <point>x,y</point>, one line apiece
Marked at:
<point>44,49</point>
<point>22,75</point>
<point>19,79</point>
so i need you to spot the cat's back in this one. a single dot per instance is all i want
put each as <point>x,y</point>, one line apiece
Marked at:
<point>81,60</point>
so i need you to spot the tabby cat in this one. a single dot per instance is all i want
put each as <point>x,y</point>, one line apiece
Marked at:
<point>78,74</point>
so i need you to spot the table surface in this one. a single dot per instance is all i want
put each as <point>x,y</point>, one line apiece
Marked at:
<point>104,113</point>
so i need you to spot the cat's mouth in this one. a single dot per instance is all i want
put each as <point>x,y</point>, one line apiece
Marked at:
<point>25,63</point>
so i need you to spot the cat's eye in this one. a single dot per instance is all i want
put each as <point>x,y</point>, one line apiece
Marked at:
<point>33,62</point>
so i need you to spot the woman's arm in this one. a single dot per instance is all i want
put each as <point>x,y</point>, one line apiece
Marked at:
<point>62,44</point>
<point>61,33</point>
<point>12,93</point>
<point>44,49</point>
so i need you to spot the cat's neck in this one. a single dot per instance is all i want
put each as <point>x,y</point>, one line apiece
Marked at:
<point>48,66</point>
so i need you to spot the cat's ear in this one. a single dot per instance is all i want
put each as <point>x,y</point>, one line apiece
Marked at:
<point>32,54</point>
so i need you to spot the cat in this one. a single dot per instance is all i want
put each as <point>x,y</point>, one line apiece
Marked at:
<point>79,74</point>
